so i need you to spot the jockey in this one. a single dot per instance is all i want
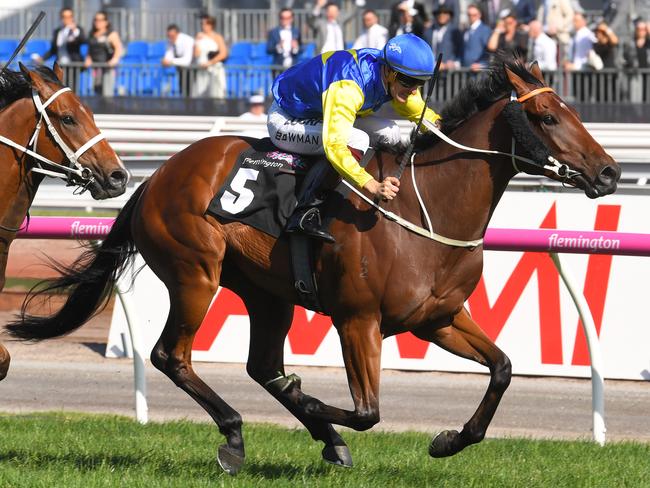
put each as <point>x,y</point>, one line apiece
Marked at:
<point>327,104</point>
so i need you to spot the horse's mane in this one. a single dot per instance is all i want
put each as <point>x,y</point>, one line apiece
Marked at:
<point>481,92</point>
<point>14,85</point>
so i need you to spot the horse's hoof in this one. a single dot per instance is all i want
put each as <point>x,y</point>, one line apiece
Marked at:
<point>337,455</point>
<point>446,443</point>
<point>229,459</point>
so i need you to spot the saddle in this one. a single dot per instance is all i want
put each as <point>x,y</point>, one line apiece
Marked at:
<point>262,191</point>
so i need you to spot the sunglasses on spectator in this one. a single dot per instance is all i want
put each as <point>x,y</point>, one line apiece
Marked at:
<point>408,82</point>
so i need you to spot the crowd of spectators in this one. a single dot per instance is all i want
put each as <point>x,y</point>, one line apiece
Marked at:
<point>556,33</point>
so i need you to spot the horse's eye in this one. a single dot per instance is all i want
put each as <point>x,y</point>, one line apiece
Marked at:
<point>68,120</point>
<point>548,119</point>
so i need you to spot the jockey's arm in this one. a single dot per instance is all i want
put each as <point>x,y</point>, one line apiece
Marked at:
<point>412,109</point>
<point>341,102</point>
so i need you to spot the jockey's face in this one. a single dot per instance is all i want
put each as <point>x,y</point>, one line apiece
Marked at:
<point>400,87</point>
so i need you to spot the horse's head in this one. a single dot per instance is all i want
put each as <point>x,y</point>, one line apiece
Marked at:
<point>71,138</point>
<point>560,129</point>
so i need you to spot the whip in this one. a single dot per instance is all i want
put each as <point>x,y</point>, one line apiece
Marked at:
<point>409,149</point>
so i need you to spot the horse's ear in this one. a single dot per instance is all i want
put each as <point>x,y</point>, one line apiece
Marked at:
<point>517,83</point>
<point>536,72</point>
<point>24,70</point>
<point>34,78</point>
<point>58,71</point>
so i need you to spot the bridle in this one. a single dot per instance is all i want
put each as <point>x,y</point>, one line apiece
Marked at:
<point>552,165</point>
<point>74,174</point>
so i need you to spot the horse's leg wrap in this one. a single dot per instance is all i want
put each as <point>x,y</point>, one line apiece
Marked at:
<point>282,383</point>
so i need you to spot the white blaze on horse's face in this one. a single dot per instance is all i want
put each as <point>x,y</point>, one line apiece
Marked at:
<point>563,105</point>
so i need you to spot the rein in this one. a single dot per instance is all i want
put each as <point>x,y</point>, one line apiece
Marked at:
<point>553,165</point>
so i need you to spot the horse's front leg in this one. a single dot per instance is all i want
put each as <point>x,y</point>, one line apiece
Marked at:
<point>361,346</point>
<point>466,339</point>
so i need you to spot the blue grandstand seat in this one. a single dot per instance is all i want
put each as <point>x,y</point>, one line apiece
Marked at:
<point>308,51</point>
<point>7,47</point>
<point>259,56</point>
<point>36,46</point>
<point>156,51</point>
<point>241,50</point>
<point>136,52</point>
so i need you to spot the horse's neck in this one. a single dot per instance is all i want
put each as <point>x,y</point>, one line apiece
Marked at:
<point>17,184</point>
<point>460,189</point>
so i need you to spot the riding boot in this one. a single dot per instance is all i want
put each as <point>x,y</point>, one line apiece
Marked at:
<point>306,218</point>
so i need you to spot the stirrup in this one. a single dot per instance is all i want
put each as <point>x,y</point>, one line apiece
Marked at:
<point>310,224</point>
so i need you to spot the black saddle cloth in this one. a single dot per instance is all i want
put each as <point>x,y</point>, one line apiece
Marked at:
<point>262,188</point>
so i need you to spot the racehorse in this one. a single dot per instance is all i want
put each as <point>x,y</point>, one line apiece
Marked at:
<point>70,147</point>
<point>378,280</point>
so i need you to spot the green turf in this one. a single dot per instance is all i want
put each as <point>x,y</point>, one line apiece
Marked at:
<point>74,450</point>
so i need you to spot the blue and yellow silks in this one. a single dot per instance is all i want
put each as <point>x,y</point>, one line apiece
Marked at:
<point>338,87</point>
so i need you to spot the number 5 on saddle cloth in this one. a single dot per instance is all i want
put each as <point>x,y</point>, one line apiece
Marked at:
<point>262,191</point>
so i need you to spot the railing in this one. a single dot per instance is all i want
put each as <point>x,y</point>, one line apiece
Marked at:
<point>142,80</point>
<point>150,24</point>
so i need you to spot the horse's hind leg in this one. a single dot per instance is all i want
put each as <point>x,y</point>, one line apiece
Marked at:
<point>466,339</point>
<point>270,322</point>
<point>4,361</point>
<point>189,301</point>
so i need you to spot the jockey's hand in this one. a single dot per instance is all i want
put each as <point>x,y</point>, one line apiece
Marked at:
<point>386,190</point>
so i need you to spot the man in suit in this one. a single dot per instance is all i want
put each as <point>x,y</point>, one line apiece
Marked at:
<point>326,24</point>
<point>475,40</point>
<point>66,40</point>
<point>374,35</point>
<point>445,38</point>
<point>284,42</point>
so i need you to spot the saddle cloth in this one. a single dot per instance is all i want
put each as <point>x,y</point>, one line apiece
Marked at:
<point>261,189</point>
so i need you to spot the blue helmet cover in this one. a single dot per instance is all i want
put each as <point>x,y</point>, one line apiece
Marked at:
<point>410,55</point>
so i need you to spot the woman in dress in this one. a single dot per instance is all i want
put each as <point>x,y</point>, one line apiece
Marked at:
<point>210,51</point>
<point>104,48</point>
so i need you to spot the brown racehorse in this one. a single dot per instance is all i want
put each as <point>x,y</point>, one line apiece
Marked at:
<point>98,168</point>
<point>378,280</point>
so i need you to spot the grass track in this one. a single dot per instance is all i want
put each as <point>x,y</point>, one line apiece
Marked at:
<point>65,450</point>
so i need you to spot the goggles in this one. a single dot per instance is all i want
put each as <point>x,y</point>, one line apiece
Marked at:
<point>408,81</point>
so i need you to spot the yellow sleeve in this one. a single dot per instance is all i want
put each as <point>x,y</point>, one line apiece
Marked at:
<point>413,108</point>
<point>341,102</point>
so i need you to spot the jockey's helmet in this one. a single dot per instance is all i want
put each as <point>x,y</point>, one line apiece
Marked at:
<point>411,57</point>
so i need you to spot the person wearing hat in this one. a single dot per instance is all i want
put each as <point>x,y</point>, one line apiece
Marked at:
<point>445,38</point>
<point>327,104</point>
<point>451,5</point>
<point>255,109</point>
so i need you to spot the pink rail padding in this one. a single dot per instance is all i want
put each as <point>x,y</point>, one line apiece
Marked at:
<point>80,228</point>
<point>540,240</point>
<point>568,241</point>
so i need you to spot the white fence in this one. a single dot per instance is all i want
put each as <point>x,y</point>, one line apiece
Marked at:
<point>145,141</point>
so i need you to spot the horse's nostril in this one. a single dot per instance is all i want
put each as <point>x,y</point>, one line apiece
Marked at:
<point>119,177</point>
<point>608,175</point>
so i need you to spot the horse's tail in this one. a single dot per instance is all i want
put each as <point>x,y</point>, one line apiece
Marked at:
<point>88,283</point>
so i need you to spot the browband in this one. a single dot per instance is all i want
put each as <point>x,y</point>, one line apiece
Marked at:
<point>533,93</point>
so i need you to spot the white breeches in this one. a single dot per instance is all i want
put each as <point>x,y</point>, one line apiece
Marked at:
<point>305,136</point>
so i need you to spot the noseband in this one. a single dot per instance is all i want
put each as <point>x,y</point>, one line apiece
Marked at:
<point>74,173</point>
